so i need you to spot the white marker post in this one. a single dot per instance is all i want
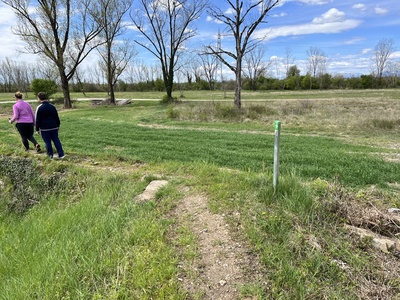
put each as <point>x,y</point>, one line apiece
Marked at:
<point>277,126</point>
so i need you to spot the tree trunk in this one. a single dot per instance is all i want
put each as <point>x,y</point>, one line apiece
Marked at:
<point>112,94</point>
<point>110,74</point>
<point>238,88</point>
<point>65,90</point>
<point>169,81</point>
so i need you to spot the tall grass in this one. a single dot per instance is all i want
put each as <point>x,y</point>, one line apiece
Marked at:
<point>103,246</point>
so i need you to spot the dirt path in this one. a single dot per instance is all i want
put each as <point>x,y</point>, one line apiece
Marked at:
<point>223,264</point>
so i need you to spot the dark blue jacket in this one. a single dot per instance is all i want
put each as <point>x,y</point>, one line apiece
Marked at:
<point>47,117</point>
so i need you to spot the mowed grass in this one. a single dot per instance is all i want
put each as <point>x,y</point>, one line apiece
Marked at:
<point>119,133</point>
<point>90,239</point>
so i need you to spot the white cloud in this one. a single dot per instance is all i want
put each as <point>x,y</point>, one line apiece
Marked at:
<point>360,6</point>
<point>229,11</point>
<point>366,51</point>
<point>279,15</point>
<point>302,29</point>
<point>316,2</point>
<point>331,16</point>
<point>213,20</point>
<point>333,21</point>
<point>7,16</point>
<point>395,55</point>
<point>9,42</point>
<point>353,41</point>
<point>380,11</point>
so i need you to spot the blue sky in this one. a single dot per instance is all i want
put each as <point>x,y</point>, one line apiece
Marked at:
<point>345,30</point>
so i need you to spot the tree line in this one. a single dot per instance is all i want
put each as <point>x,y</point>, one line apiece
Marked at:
<point>64,33</point>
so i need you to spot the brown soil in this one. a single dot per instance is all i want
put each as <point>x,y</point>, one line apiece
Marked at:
<point>223,263</point>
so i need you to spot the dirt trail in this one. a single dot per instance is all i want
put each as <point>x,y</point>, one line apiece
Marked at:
<point>223,263</point>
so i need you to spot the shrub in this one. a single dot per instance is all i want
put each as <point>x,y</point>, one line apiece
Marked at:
<point>167,100</point>
<point>172,113</point>
<point>383,124</point>
<point>44,85</point>
<point>227,112</point>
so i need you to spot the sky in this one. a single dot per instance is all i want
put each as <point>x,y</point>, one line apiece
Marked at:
<point>346,31</point>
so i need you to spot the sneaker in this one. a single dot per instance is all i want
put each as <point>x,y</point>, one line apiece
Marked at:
<point>61,157</point>
<point>51,157</point>
<point>38,150</point>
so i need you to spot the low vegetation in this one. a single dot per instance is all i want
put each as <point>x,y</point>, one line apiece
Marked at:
<point>72,229</point>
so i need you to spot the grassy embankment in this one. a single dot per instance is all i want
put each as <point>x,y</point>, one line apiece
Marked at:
<point>87,238</point>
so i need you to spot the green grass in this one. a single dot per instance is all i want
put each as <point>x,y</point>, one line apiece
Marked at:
<point>88,238</point>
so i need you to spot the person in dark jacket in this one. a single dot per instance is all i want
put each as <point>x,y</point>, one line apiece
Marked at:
<point>48,125</point>
<point>25,117</point>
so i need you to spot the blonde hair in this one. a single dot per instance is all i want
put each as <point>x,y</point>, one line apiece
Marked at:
<point>18,95</point>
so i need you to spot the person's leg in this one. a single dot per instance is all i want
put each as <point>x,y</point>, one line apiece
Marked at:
<point>57,143</point>
<point>23,133</point>
<point>46,136</point>
<point>30,137</point>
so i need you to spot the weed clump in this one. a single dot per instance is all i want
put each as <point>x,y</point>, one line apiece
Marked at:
<point>23,183</point>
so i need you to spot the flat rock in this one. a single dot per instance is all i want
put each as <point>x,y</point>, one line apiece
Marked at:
<point>151,190</point>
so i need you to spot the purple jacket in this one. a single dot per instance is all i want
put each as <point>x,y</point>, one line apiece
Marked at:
<point>23,112</point>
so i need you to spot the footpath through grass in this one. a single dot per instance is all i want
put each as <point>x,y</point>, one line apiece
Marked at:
<point>86,237</point>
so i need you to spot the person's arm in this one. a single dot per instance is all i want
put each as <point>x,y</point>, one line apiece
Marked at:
<point>56,117</point>
<point>38,120</point>
<point>15,114</point>
<point>33,115</point>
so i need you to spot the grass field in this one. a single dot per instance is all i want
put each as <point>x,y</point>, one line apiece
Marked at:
<point>71,229</point>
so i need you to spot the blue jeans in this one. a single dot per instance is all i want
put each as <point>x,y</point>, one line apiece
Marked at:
<point>52,136</point>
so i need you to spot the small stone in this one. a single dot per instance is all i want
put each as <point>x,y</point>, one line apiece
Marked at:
<point>222,282</point>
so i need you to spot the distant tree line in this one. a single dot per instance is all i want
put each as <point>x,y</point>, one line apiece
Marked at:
<point>63,34</point>
<point>17,76</point>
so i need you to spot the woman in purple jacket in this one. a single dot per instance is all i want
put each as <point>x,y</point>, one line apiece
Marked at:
<point>25,117</point>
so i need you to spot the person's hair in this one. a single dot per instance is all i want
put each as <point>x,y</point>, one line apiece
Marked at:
<point>42,96</point>
<point>18,95</point>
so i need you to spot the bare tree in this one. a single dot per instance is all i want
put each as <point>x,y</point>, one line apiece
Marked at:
<point>209,65</point>
<point>191,67</point>
<point>288,59</point>
<point>115,54</point>
<point>15,75</point>
<point>63,31</point>
<point>6,71</point>
<point>241,22</point>
<point>393,69</point>
<point>288,62</point>
<point>78,76</point>
<point>255,66</point>
<point>276,61</point>
<point>382,52</point>
<point>47,70</point>
<point>166,26</point>
<point>317,62</point>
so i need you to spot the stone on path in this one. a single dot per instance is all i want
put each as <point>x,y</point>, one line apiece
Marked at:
<point>151,190</point>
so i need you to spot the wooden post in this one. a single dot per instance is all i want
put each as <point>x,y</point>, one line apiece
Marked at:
<point>277,126</point>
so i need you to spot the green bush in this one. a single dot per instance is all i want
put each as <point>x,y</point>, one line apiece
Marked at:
<point>227,112</point>
<point>172,113</point>
<point>44,85</point>
<point>167,100</point>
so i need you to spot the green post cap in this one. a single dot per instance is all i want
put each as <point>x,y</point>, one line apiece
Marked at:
<point>276,124</point>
